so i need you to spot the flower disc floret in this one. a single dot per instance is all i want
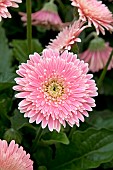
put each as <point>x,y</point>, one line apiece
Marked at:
<point>56,89</point>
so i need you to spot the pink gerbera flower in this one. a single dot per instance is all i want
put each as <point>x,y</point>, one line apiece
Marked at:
<point>47,17</point>
<point>97,55</point>
<point>13,157</point>
<point>56,89</point>
<point>67,37</point>
<point>95,12</point>
<point>7,3</point>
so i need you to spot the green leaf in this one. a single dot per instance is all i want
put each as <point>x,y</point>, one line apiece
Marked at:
<point>101,119</point>
<point>5,52</point>
<point>55,137</point>
<point>43,155</point>
<point>6,80</point>
<point>18,120</point>
<point>5,107</point>
<point>20,49</point>
<point>88,149</point>
<point>5,103</point>
<point>107,87</point>
<point>108,165</point>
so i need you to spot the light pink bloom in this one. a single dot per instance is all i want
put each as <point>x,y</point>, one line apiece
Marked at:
<point>67,37</point>
<point>96,13</point>
<point>56,89</point>
<point>97,55</point>
<point>13,157</point>
<point>47,17</point>
<point>3,7</point>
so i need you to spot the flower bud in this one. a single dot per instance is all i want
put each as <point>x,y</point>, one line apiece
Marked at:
<point>50,6</point>
<point>97,44</point>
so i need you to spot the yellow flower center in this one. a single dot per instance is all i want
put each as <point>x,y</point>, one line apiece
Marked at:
<point>54,89</point>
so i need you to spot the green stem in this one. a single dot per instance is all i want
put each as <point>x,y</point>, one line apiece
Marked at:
<point>92,34</point>
<point>37,138</point>
<point>102,76</point>
<point>39,2</point>
<point>29,26</point>
<point>60,4</point>
<point>72,130</point>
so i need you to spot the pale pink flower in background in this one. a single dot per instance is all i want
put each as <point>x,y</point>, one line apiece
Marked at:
<point>67,37</point>
<point>95,13</point>
<point>3,7</point>
<point>56,89</point>
<point>13,157</point>
<point>97,55</point>
<point>44,18</point>
<point>47,17</point>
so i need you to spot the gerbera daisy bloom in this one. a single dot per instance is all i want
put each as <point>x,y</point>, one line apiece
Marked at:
<point>97,55</point>
<point>13,157</point>
<point>3,7</point>
<point>67,37</point>
<point>96,13</point>
<point>56,89</point>
<point>47,17</point>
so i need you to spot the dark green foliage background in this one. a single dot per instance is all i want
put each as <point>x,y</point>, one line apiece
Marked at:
<point>88,147</point>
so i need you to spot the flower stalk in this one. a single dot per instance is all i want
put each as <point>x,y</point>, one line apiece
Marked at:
<point>37,138</point>
<point>29,26</point>
<point>90,36</point>
<point>102,76</point>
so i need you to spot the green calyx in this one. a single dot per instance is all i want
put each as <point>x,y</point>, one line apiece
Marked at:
<point>97,44</point>
<point>50,6</point>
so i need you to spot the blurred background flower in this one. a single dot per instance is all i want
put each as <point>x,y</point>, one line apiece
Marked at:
<point>67,37</point>
<point>4,4</point>
<point>13,157</point>
<point>47,17</point>
<point>97,55</point>
<point>95,13</point>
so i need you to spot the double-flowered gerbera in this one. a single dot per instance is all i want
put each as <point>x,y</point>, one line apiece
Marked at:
<point>56,89</point>
<point>97,55</point>
<point>4,4</point>
<point>67,37</point>
<point>95,13</point>
<point>13,157</point>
